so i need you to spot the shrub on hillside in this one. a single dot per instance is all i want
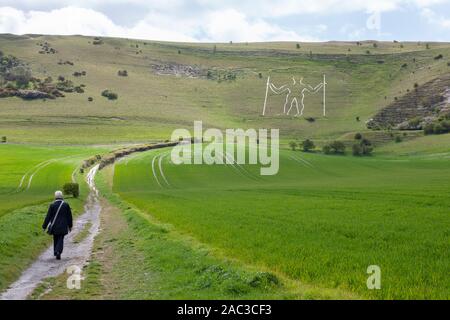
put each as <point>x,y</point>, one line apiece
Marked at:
<point>293,145</point>
<point>362,148</point>
<point>335,147</point>
<point>79,74</point>
<point>4,139</point>
<point>356,149</point>
<point>109,94</point>
<point>72,188</point>
<point>97,41</point>
<point>414,122</point>
<point>358,136</point>
<point>429,128</point>
<point>326,149</point>
<point>65,86</point>
<point>438,127</point>
<point>307,145</point>
<point>21,75</point>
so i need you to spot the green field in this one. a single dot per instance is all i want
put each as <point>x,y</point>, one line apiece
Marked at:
<point>322,219</point>
<point>30,174</point>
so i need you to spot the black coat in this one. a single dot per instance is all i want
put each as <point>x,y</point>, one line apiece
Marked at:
<point>63,222</point>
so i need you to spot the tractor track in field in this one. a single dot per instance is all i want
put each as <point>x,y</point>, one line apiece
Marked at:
<point>301,161</point>
<point>163,182</point>
<point>154,172</point>
<point>37,170</point>
<point>239,167</point>
<point>34,170</point>
<point>161,168</point>
<point>157,165</point>
<point>30,171</point>
<point>75,254</point>
<point>157,159</point>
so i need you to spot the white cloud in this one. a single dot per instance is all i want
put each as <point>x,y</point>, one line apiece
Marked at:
<point>254,8</point>
<point>72,20</point>
<point>352,32</point>
<point>233,25</point>
<point>196,20</point>
<point>435,19</point>
<point>212,26</point>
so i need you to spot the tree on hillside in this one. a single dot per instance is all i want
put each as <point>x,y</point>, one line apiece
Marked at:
<point>363,147</point>
<point>356,149</point>
<point>20,74</point>
<point>307,145</point>
<point>335,147</point>
<point>293,145</point>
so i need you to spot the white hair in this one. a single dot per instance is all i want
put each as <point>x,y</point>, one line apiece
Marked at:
<point>58,195</point>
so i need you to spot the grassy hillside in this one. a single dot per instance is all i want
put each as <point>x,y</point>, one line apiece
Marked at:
<point>150,105</point>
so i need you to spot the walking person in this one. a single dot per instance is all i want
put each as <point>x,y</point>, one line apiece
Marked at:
<point>58,223</point>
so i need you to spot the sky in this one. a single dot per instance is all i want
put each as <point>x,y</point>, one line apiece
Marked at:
<point>232,20</point>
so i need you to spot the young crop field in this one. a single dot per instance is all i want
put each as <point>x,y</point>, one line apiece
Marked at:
<point>322,220</point>
<point>30,174</point>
